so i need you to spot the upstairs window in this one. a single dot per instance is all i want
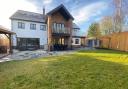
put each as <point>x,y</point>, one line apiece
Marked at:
<point>21,25</point>
<point>33,26</point>
<point>43,27</point>
<point>76,41</point>
<point>54,26</point>
<point>75,29</point>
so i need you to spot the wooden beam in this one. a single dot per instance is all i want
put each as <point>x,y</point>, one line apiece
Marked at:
<point>49,22</point>
<point>7,36</point>
<point>10,44</point>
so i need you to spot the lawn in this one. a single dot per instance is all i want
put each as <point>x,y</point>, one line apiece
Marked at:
<point>96,69</point>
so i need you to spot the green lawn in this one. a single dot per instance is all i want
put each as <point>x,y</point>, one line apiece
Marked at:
<point>97,69</point>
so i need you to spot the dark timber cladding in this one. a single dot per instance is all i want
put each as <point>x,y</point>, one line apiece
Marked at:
<point>59,22</point>
<point>63,11</point>
<point>8,33</point>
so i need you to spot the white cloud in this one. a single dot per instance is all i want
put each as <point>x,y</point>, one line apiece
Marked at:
<point>45,2</point>
<point>8,7</point>
<point>89,11</point>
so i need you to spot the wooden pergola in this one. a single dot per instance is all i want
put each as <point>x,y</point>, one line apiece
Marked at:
<point>9,34</point>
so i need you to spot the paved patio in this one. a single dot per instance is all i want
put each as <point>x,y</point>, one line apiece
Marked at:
<point>23,55</point>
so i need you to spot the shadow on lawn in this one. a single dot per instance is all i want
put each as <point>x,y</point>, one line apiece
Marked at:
<point>103,51</point>
<point>85,72</point>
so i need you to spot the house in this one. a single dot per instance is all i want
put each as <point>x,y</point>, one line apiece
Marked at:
<point>78,39</point>
<point>30,29</point>
<point>52,31</point>
<point>93,42</point>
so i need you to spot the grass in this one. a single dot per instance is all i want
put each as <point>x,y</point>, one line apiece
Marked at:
<point>97,69</point>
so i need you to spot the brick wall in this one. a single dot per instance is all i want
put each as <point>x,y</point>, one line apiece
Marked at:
<point>58,18</point>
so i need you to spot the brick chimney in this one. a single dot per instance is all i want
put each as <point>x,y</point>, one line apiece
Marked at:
<point>44,12</point>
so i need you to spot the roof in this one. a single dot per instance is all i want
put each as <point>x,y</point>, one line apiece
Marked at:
<point>75,26</point>
<point>80,36</point>
<point>27,16</point>
<point>93,38</point>
<point>62,10</point>
<point>4,30</point>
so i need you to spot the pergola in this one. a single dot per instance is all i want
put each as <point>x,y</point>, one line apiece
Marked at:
<point>9,34</point>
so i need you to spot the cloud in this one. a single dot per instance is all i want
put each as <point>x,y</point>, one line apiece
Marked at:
<point>45,2</point>
<point>8,7</point>
<point>85,13</point>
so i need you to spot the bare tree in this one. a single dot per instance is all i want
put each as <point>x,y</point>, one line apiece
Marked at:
<point>117,18</point>
<point>106,26</point>
<point>120,14</point>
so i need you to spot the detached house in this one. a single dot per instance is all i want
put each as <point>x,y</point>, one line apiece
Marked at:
<point>55,30</point>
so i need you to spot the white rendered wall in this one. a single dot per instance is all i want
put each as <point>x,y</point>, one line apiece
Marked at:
<point>76,32</point>
<point>28,33</point>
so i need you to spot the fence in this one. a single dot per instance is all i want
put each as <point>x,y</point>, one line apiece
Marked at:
<point>117,41</point>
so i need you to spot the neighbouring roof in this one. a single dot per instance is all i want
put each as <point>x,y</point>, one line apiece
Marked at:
<point>28,16</point>
<point>63,11</point>
<point>80,36</point>
<point>76,26</point>
<point>4,30</point>
<point>92,38</point>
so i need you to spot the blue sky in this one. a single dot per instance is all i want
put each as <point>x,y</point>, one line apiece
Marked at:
<point>84,11</point>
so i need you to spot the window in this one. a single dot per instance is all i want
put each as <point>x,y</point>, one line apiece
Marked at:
<point>33,26</point>
<point>75,29</point>
<point>54,26</point>
<point>58,27</point>
<point>43,27</point>
<point>21,25</point>
<point>28,43</point>
<point>62,25</point>
<point>76,41</point>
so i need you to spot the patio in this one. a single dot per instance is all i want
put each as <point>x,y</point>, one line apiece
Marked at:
<point>23,55</point>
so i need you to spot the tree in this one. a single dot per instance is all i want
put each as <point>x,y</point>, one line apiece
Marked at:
<point>106,25</point>
<point>120,14</point>
<point>94,30</point>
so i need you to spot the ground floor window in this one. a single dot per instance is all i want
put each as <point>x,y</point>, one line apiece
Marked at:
<point>28,43</point>
<point>76,41</point>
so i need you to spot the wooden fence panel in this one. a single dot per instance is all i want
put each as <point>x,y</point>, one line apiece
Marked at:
<point>117,41</point>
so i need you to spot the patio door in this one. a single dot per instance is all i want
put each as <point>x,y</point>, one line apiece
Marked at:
<point>60,43</point>
<point>28,43</point>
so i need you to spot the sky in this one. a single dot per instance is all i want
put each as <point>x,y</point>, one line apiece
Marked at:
<point>85,12</point>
